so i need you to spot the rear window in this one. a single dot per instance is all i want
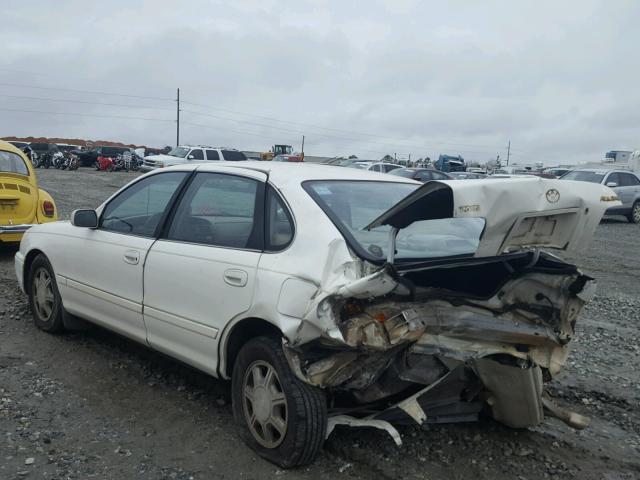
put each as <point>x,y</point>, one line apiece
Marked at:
<point>584,176</point>
<point>352,205</point>
<point>12,163</point>
<point>39,146</point>
<point>233,156</point>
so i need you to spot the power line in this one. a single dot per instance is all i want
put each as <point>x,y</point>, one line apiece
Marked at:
<point>62,100</point>
<point>84,91</point>
<point>85,115</point>
<point>488,148</point>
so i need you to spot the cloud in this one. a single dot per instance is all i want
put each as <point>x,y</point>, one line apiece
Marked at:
<point>557,79</point>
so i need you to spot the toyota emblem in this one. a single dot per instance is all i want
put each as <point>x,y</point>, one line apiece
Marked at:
<point>553,195</point>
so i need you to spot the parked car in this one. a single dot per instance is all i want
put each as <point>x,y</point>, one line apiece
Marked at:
<point>186,154</point>
<point>43,148</point>
<point>288,158</point>
<point>556,171</point>
<point>624,183</point>
<point>466,175</point>
<point>421,174</point>
<point>18,144</point>
<point>66,147</point>
<point>89,157</point>
<point>22,203</point>
<point>420,302</point>
<point>381,167</point>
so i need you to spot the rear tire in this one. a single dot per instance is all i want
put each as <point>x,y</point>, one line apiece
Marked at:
<point>634,216</point>
<point>44,298</point>
<point>280,417</point>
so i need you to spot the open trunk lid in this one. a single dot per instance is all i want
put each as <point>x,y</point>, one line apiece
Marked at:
<point>519,213</point>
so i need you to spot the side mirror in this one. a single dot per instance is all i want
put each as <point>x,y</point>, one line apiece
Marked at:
<point>612,184</point>
<point>84,218</point>
<point>190,157</point>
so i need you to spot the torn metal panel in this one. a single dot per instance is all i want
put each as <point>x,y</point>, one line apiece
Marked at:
<point>335,420</point>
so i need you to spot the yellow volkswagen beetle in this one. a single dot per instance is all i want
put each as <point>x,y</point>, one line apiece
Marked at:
<point>22,203</point>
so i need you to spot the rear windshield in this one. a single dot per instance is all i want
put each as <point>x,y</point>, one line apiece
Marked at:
<point>12,163</point>
<point>352,205</point>
<point>584,176</point>
<point>39,146</point>
<point>403,172</point>
<point>233,156</point>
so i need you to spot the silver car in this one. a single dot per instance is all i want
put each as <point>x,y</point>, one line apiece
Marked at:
<point>625,183</point>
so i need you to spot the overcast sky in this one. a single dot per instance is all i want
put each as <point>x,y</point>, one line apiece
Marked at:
<point>560,79</point>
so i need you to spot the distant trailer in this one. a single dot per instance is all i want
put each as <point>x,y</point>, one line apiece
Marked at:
<point>617,156</point>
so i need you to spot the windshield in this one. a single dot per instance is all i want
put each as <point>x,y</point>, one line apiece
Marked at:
<point>584,176</point>
<point>352,205</point>
<point>12,163</point>
<point>179,152</point>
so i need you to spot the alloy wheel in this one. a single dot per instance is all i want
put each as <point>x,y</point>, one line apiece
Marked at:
<point>636,213</point>
<point>264,404</point>
<point>43,295</point>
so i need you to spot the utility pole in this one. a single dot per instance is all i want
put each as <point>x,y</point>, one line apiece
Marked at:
<point>302,147</point>
<point>508,152</point>
<point>178,118</point>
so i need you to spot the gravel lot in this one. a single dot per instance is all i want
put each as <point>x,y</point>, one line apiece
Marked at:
<point>94,405</point>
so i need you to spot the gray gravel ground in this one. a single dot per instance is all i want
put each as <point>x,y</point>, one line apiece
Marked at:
<point>94,405</point>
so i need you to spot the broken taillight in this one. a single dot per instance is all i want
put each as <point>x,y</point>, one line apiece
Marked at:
<point>48,208</point>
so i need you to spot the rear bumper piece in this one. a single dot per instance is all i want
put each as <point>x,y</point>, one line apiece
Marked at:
<point>15,228</point>
<point>18,262</point>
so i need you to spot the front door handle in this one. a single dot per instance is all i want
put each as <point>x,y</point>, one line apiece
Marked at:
<point>132,257</point>
<point>236,277</point>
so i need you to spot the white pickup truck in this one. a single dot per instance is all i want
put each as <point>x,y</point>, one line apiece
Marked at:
<point>188,154</point>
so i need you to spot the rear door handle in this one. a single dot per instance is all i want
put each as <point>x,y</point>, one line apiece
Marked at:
<point>132,257</point>
<point>236,277</point>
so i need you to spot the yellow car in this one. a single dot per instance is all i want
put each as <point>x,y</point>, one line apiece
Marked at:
<point>22,203</point>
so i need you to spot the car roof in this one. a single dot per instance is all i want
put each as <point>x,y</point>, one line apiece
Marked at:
<point>296,172</point>
<point>602,170</point>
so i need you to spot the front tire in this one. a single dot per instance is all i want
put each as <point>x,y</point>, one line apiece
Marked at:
<point>44,298</point>
<point>280,417</point>
<point>634,216</point>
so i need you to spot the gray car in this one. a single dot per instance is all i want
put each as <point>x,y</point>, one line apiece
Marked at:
<point>625,183</point>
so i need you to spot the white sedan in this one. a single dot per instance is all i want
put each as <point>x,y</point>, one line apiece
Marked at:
<point>331,296</point>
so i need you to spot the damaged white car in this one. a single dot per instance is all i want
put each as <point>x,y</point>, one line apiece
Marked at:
<point>332,296</point>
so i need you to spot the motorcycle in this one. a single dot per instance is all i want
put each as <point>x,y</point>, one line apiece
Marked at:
<point>32,156</point>
<point>109,164</point>
<point>58,160</point>
<point>71,161</point>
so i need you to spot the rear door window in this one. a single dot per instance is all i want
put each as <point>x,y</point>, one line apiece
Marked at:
<point>614,178</point>
<point>219,210</point>
<point>12,163</point>
<point>213,155</point>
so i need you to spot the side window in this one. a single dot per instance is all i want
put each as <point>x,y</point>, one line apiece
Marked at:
<point>220,210</point>
<point>388,168</point>
<point>139,209</point>
<point>279,224</point>
<point>628,180</point>
<point>613,177</point>
<point>197,154</point>
<point>213,155</point>
<point>375,168</point>
<point>425,176</point>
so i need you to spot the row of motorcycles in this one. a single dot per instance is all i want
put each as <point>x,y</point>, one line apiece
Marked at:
<point>61,160</point>
<point>125,161</point>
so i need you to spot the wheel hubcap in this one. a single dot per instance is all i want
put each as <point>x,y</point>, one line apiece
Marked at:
<point>43,294</point>
<point>265,405</point>
<point>636,213</point>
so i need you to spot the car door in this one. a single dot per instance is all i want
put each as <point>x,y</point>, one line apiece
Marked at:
<point>196,154</point>
<point>102,268</point>
<point>630,184</point>
<point>614,181</point>
<point>201,273</point>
